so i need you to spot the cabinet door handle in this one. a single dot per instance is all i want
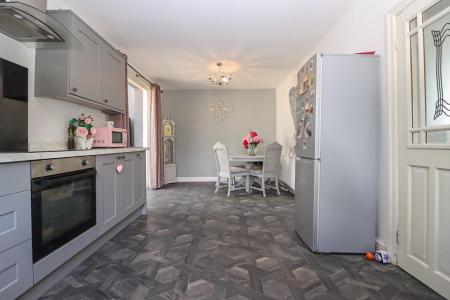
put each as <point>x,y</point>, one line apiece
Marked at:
<point>138,155</point>
<point>75,89</point>
<point>106,100</point>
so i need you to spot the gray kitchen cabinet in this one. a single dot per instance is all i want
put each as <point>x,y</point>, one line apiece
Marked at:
<point>107,198</point>
<point>94,75</point>
<point>139,176</point>
<point>16,266</point>
<point>16,270</point>
<point>127,179</point>
<point>15,219</point>
<point>84,66</point>
<point>14,177</point>
<point>112,78</point>
<point>120,187</point>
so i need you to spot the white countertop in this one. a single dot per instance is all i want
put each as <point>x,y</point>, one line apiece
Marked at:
<point>9,157</point>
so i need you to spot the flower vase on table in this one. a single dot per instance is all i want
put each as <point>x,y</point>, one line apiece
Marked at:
<point>251,141</point>
<point>251,150</point>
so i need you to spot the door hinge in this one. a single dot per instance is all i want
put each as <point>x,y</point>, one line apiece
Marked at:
<point>397,236</point>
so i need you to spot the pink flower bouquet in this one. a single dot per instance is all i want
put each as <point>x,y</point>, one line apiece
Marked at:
<point>251,141</point>
<point>81,132</point>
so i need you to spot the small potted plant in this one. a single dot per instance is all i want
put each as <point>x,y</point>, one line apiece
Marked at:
<point>251,141</point>
<point>81,132</point>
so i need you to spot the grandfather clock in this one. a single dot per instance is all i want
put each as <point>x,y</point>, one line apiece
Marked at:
<point>170,168</point>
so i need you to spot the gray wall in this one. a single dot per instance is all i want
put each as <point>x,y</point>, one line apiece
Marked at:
<point>196,133</point>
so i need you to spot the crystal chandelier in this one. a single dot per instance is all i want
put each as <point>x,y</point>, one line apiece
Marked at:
<point>220,78</point>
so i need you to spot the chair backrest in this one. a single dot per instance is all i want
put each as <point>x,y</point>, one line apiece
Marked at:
<point>272,158</point>
<point>222,160</point>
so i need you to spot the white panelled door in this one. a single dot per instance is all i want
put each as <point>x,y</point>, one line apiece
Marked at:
<point>423,73</point>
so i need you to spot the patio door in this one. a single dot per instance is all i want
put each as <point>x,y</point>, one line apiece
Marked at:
<point>423,116</point>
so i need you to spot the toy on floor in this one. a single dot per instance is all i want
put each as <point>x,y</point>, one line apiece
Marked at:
<point>370,256</point>
<point>379,256</point>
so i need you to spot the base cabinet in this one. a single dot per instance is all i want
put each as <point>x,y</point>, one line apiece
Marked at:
<point>126,180</point>
<point>16,270</point>
<point>140,186</point>
<point>16,256</point>
<point>106,192</point>
<point>120,187</point>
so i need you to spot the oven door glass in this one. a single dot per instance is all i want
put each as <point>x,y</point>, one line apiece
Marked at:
<point>63,207</point>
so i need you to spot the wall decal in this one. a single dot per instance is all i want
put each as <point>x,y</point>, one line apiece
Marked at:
<point>219,109</point>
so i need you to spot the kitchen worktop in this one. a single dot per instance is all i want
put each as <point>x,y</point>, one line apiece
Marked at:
<point>9,157</point>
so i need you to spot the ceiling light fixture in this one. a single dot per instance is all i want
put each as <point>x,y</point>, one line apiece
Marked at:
<point>220,78</point>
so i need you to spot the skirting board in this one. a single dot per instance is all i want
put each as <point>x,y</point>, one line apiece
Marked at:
<point>45,284</point>
<point>196,179</point>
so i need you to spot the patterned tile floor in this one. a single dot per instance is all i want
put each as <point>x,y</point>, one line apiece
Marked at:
<point>195,244</point>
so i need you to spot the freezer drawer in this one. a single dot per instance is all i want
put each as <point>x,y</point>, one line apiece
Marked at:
<point>306,193</point>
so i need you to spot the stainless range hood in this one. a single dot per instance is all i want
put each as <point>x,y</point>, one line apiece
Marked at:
<point>27,22</point>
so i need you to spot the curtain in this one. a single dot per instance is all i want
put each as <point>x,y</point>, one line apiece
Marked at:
<point>156,142</point>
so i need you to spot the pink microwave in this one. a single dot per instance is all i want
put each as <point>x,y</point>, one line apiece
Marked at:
<point>108,137</point>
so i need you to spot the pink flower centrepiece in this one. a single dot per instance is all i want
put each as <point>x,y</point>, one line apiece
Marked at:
<point>82,132</point>
<point>93,131</point>
<point>253,139</point>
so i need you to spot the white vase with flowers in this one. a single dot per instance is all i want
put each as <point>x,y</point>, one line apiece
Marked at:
<point>81,132</point>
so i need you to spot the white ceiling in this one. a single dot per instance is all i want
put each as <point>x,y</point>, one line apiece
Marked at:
<point>175,42</point>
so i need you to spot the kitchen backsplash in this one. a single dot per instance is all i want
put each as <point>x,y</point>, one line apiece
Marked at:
<point>47,118</point>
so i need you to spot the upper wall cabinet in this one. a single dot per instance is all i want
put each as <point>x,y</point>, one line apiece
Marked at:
<point>112,77</point>
<point>84,64</point>
<point>94,76</point>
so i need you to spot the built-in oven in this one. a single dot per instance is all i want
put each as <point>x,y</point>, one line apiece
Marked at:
<point>63,204</point>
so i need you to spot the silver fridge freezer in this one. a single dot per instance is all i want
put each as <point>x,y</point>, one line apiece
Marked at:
<point>337,152</point>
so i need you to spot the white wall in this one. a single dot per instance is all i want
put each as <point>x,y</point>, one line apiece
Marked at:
<point>47,118</point>
<point>361,28</point>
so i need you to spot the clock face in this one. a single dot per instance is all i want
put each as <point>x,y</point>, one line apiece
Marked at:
<point>168,129</point>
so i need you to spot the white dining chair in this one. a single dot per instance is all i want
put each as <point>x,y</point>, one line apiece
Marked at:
<point>225,171</point>
<point>270,168</point>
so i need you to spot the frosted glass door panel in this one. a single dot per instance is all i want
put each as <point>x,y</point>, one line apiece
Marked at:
<point>415,90</point>
<point>168,152</point>
<point>437,71</point>
<point>435,9</point>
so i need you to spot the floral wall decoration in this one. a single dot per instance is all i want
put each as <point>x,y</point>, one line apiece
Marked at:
<point>219,109</point>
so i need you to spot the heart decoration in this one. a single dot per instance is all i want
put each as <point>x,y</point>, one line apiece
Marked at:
<point>119,168</point>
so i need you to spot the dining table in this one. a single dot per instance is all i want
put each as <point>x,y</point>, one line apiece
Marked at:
<point>245,158</point>
<point>248,162</point>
